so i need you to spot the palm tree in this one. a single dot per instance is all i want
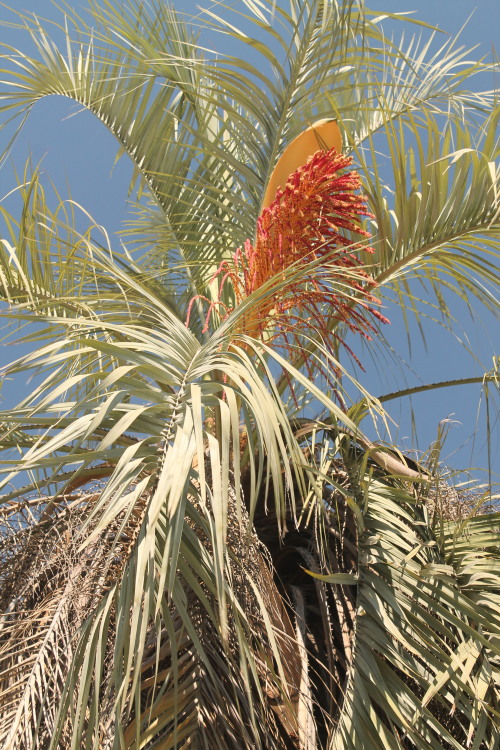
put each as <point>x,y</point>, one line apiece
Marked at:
<point>189,556</point>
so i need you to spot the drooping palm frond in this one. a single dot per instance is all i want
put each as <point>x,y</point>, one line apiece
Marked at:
<point>414,645</point>
<point>372,582</point>
<point>135,414</point>
<point>425,659</point>
<point>428,232</point>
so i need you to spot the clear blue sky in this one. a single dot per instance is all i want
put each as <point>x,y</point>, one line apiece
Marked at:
<point>78,151</point>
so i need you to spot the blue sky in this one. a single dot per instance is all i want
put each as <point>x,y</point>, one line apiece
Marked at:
<point>79,152</point>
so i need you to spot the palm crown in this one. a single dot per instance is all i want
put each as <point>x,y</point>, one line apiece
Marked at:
<point>190,557</point>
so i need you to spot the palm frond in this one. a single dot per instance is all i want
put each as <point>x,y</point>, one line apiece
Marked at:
<point>428,232</point>
<point>425,654</point>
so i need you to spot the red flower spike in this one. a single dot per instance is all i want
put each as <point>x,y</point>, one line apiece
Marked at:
<point>305,222</point>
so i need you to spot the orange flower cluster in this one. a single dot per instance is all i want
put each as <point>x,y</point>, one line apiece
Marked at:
<point>308,221</point>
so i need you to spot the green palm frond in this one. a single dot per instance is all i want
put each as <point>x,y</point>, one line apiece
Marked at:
<point>425,653</point>
<point>426,231</point>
